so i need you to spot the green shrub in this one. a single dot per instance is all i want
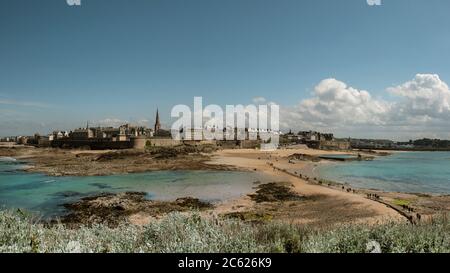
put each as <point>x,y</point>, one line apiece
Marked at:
<point>176,232</point>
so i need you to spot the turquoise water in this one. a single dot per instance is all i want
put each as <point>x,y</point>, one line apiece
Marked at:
<point>45,195</point>
<point>417,172</point>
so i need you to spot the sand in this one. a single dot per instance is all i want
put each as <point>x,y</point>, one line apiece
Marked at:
<point>322,204</point>
<point>325,206</point>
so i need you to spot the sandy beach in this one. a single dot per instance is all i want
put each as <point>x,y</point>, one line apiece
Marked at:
<point>296,195</point>
<point>324,205</point>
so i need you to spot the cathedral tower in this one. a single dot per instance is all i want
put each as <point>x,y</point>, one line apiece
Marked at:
<point>157,123</point>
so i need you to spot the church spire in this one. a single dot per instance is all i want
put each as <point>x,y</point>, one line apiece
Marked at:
<point>157,123</point>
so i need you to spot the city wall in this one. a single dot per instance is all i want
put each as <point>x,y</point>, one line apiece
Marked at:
<point>93,144</point>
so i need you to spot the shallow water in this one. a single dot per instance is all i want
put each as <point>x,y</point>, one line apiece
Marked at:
<point>339,156</point>
<point>44,194</point>
<point>417,172</point>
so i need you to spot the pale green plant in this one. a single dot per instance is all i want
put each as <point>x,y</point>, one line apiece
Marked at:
<point>192,233</point>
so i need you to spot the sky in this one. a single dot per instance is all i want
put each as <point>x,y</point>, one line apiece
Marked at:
<point>340,66</point>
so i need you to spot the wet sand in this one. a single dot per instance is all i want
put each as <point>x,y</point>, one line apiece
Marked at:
<point>62,162</point>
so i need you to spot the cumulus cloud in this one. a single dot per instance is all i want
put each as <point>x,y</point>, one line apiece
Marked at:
<point>334,101</point>
<point>421,105</point>
<point>426,96</point>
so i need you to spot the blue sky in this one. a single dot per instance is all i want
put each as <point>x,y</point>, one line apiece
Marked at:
<point>117,59</point>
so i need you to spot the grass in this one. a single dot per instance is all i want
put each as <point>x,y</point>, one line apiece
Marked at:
<point>193,233</point>
<point>401,202</point>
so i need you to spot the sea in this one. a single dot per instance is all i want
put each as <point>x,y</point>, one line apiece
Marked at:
<point>411,172</point>
<point>45,195</point>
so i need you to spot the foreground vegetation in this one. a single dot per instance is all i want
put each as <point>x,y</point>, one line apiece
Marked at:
<point>192,233</point>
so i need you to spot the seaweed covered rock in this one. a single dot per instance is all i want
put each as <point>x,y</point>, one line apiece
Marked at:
<point>112,209</point>
<point>274,192</point>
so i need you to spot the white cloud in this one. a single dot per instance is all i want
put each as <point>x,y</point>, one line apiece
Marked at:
<point>24,103</point>
<point>426,96</point>
<point>143,122</point>
<point>422,107</point>
<point>333,101</point>
<point>334,106</point>
<point>115,122</point>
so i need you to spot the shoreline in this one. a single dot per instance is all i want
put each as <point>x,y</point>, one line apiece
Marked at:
<point>322,204</point>
<point>328,201</point>
<point>412,206</point>
<point>71,162</point>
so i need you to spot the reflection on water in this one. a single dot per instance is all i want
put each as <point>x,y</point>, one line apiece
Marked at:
<point>38,192</point>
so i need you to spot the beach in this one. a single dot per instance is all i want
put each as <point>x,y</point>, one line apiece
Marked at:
<point>341,199</point>
<point>73,162</point>
<point>325,205</point>
<point>295,194</point>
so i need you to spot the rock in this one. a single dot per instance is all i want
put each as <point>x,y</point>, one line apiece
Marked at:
<point>112,209</point>
<point>274,192</point>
